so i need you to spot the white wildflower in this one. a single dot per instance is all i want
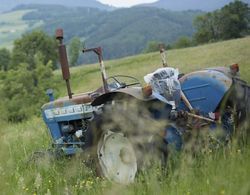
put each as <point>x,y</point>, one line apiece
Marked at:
<point>38,181</point>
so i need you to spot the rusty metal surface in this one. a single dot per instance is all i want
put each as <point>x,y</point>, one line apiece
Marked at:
<point>59,33</point>
<point>98,52</point>
<point>135,92</point>
<point>220,74</point>
<point>64,62</point>
<point>82,98</point>
<point>222,69</point>
<point>163,55</point>
<point>65,101</point>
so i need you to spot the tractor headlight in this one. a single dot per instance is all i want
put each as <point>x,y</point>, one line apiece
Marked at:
<point>48,114</point>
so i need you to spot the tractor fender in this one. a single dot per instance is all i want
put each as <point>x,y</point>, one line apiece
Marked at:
<point>132,92</point>
<point>205,89</point>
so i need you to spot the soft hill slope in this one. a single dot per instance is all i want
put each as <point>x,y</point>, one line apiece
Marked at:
<point>127,29</point>
<point>12,26</point>
<point>7,5</point>
<point>190,4</point>
<point>88,77</point>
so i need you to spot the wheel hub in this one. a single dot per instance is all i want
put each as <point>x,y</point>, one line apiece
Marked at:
<point>117,157</point>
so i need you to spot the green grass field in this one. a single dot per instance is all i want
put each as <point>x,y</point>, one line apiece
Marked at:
<point>219,171</point>
<point>12,26</point>
<point>88,77</point>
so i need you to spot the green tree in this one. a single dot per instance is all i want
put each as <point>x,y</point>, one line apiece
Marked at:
<point>21,98</point>
<point>235,20</point>
<point>231,21</point>
<point>183,42</point>
<point>5,57</point>
<point>74,49</point>
<point>205,28</point>
<point>15,91</point>
<point>152,46</point>
<point>32,44</point>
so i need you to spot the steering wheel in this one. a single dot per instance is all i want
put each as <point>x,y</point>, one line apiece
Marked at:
<point>117,84</point>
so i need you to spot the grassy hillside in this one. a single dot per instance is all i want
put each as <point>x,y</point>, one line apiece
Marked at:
<point>127,29</point>
<point>219,171</point>
<point>12,26</point>
<point>88,77</point>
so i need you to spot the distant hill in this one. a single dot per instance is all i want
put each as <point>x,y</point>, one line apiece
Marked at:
<point>174,5</point>
<point>121,32</point>
<point>180,5</point>
<point>7,5</point>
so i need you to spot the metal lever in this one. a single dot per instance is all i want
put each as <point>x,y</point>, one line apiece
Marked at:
<point>98,52</point>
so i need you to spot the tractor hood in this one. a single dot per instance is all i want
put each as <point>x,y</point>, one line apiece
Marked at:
<point>83,98</point>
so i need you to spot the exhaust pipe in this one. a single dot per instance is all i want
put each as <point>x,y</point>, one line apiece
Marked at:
<point>64,60</point>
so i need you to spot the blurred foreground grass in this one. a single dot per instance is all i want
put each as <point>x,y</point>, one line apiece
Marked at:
<point>224,170</point>
<point>220,171</point>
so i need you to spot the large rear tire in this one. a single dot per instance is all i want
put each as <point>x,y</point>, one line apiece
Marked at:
<point>125,141</point>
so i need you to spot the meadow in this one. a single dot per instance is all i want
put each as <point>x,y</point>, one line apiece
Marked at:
<point>222,170</point>
<point>12,26</point>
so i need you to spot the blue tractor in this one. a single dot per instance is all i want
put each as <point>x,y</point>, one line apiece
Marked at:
<point>122,121</point>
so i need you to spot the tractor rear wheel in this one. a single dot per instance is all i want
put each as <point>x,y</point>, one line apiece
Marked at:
<point>124,138</point>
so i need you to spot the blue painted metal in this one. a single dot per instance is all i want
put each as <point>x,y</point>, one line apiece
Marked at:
<point>49,92</point>
<point>54,130</point>
<point>70,150</point>
<point>173,137</point>
<point>56,117</point>
<point>70,118</point>
<point>204,89</point>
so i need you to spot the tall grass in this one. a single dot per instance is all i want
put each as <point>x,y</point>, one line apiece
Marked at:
<point>205,170</point>
<point>223,170</point>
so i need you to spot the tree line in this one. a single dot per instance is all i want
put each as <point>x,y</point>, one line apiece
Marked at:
<point>122,32</point>
<point>230,22</point>
<point>25,74</point>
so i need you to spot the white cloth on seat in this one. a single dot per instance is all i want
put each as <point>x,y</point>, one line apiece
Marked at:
<point>165,85</point>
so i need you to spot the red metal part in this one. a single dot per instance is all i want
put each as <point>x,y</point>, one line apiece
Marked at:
<point>64,60</point>
<point>234,68</point>
<point>59,34</point>
<point>82,98</point>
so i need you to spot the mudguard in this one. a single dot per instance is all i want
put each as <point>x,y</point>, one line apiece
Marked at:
<point>205,89</point>
<point>135,92</point>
